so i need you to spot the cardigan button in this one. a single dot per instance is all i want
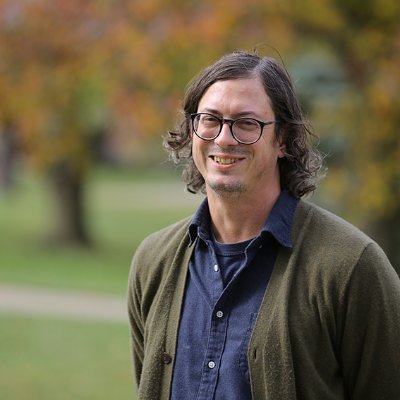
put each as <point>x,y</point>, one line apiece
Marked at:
<point>166,358</point>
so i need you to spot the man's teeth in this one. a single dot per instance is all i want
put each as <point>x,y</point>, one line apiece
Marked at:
<point>221,160</point>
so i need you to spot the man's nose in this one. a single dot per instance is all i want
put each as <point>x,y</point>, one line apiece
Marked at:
<point>225,137</point>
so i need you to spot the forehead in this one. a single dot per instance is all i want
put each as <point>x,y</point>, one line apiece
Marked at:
<point>236,95</point>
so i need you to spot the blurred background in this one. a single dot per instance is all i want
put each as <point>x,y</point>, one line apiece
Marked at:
<point>87,91</point>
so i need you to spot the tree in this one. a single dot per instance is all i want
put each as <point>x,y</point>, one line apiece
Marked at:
<point>71,69</point>
<point>364,39</point>
<point>53,92</point>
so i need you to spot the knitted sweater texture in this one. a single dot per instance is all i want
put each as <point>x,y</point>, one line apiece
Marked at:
<point>328,327</point>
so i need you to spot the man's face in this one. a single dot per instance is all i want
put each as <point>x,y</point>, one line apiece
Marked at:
<point>226,165</point>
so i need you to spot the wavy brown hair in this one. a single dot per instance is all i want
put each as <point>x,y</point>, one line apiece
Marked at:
<point>300,169</point>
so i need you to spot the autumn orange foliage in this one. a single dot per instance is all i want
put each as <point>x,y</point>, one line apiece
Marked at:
<point>71,69</point>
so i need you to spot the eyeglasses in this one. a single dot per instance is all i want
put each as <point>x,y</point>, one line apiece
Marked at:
<point>244,130</point>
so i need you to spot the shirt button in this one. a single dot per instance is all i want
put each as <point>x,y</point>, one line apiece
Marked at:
<point>211,364</point>
<point>216,268</point>
<point>166,358</point>
<point>220,314</point>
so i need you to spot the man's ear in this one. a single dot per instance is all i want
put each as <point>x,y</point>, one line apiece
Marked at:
<point>282,149</point>
<point>280,137</point>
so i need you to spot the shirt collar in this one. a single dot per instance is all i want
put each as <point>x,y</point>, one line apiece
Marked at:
<point>278,224</point>
<point>201,223</point>
<point>280,220</point>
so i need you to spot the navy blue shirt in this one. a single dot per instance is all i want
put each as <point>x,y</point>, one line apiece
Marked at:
<point>224,289</point>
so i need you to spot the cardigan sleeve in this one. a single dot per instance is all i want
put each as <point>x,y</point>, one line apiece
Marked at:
<point>135,320</point>
<point>370,350</point>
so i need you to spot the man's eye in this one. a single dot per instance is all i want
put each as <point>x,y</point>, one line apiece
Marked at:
<point>247,124</point>
<point>209,119</point>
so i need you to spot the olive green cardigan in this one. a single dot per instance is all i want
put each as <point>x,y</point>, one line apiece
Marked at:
<point>328,327</point>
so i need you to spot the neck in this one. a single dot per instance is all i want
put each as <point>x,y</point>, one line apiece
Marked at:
<point>237,217</point>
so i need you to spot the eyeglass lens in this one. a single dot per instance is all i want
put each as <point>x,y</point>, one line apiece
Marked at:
<point>245,130</point>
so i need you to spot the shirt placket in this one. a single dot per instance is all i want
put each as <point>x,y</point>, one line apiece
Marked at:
<point>217,337</point>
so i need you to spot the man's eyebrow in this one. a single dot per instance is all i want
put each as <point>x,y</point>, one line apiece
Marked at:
<point>211,111</point>
<point>240,114</point>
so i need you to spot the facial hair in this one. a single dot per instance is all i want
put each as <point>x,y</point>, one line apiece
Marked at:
<point>223,188</point>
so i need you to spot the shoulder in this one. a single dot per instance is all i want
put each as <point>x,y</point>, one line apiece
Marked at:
<point>331,240</point>
<point>165,238</point>
<point>156,252</point>
<point>327,224</point>
<point>326,228</point>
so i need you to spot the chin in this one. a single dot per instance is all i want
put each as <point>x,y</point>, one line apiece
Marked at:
<point>227,187</point>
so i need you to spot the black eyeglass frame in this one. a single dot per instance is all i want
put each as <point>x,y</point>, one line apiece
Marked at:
<point>230,123</point>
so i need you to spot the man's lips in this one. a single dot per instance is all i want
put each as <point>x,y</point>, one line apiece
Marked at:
<point>227,157</point>
<point>224,160</point>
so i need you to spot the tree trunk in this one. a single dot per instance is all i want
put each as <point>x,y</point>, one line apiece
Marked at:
<point>68,184</point>
<point>8,152</point>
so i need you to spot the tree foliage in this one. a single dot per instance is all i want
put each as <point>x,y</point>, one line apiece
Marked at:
<point>70,70</point>
<point>364,39</point>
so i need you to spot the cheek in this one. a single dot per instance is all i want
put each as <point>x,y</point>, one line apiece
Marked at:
<point>276,145</point>
<point>197,151</point>
<point>270,150</point>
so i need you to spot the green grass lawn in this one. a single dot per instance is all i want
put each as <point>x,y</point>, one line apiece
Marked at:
<point>52,359</point>
<point>122,208</point>
<point>56,359</point>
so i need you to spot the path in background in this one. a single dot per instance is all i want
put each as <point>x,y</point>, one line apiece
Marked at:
<point>35,301</point>
<point>29,301</point>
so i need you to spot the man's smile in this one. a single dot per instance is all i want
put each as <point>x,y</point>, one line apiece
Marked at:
<point>224,160</point>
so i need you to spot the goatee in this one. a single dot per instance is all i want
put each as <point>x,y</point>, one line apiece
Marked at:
<point>225,189</point>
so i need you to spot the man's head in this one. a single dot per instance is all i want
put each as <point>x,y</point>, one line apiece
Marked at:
<point>300,164</point>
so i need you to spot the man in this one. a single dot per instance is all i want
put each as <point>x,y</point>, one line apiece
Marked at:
<point>259,295</point>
